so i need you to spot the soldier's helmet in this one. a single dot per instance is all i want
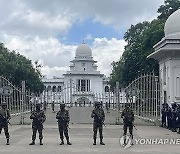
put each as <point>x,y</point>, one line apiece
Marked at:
<point>97,103</point>
<point>4,104</point>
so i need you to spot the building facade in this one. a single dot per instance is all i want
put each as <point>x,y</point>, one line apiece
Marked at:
<point>83,83</point>
<point>167,52</point>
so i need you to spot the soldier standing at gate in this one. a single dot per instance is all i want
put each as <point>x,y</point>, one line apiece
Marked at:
<point>38,116</point>
<point>63,122</point>
<point>163,114</point>
<point>128,121</point>
<point>4,120</point>
<point>99,117</point>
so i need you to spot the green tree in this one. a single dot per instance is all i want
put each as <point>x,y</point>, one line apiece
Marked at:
<point>168,8</point>
<point>140,40</point>
<point>18,68</point>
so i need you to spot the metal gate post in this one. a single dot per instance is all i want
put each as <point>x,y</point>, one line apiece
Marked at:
<point>22,103</point>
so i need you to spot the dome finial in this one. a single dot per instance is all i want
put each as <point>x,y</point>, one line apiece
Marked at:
<point>83,41</point>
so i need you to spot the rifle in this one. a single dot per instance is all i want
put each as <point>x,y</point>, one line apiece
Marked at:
<point>5,119</point>
<point>38,118</point>
<point>134,127</point>
<point>64,120</point>
<point>99,118</point>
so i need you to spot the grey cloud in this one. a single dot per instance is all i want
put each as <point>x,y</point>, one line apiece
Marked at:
<point>119,13</point>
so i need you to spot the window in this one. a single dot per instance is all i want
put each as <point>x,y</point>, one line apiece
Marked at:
<point>59,89</point>
<point>54,89</point>
<point>49,88</point>
<point>83,85</point>
<point>106,89</point>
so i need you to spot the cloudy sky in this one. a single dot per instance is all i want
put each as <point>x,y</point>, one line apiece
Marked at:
<point>50,30</point>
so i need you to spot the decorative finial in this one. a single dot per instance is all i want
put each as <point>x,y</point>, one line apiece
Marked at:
<point>83,41</point>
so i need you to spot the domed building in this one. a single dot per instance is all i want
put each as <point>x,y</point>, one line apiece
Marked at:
<point>167,52</point>
<point>81,84</point>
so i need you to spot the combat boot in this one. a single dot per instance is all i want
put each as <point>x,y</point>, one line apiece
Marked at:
<point>68,143</point>
<point>62,142</point>
<point>101,142</point>
<point>41,143</point>
<point>32,143</point>
<point>7,143</point>
<point>94,141</point>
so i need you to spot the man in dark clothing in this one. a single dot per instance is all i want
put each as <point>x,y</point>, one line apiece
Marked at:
<point>178,119</point>
<point>128,121</point>
<point>63,122</point>
<point>99,117</point>
<point>174,116</point>
<point>52,105</point>
<point>169,117</point>
<point>4,120</point>
<point>164,115</point>
<point>38,117</point>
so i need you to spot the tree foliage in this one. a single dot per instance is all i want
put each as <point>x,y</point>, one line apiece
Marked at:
<point>18,68</point>
<point>140,40</point>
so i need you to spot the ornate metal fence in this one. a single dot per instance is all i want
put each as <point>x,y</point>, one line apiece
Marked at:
<point>144,95</point>
<point>17,99</point>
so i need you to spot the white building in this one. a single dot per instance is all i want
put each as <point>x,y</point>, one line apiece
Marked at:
<point>83,83</point>
<point>167,52</point>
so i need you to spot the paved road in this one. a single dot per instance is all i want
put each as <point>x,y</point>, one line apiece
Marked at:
<point>81,138</point>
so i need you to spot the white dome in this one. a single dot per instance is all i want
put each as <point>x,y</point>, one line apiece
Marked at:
<point>83,50</point>
<point>172,25</point>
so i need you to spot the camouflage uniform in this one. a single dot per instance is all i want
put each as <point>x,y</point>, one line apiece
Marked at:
<point>128,120</point>
<point>63,122</point>
<point>38,116</point>
<point>99,117</point>
<point>4,119</point>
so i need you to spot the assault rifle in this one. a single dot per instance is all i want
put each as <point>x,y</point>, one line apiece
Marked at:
<point>64,120</point>
<point>37,118</point>
<point>5,119</point>
<point>127,120</point>
<point>99,118</point>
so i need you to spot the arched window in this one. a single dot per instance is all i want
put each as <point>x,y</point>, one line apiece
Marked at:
<point>106,89</point>
<point>54,89</point>
<point>49,88</point>
<point>45,88</point>
<point>59,89</point>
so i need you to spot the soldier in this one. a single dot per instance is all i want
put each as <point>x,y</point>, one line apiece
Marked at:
<point>99,117</point>
<point>163,114</point>
<point>169,116</point>
<point>174,116</point>
<point>4,120</point>
<point>63,122</point>
<point>52,105</point>
<point>38,116</point>
<point>178,119</point>
<point>128,121</point>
